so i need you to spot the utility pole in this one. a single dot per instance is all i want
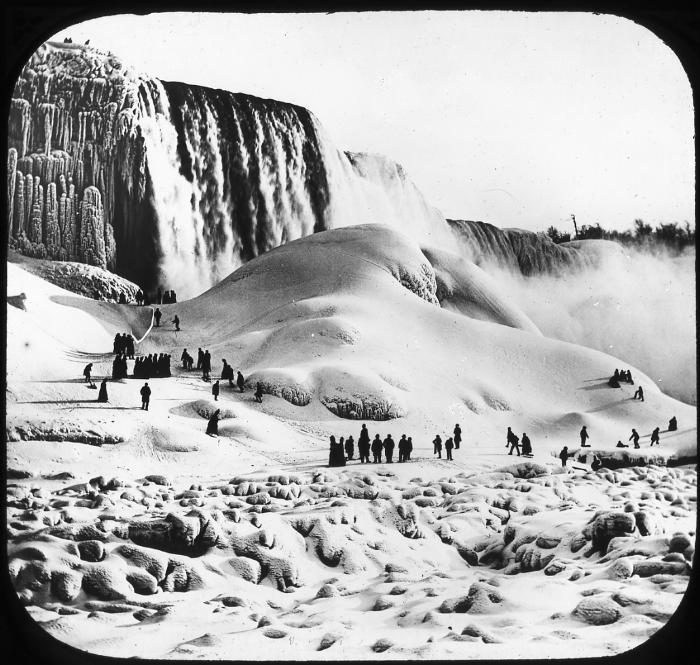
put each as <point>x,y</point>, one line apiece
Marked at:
<point>573,217</point>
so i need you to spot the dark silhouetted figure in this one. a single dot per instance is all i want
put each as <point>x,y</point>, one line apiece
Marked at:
<point>672,424</point>
<point>156,315</point>
<point>87,373</point>
<point>377,449</point>
<point>215,390</point>
<point>240,381</point>
<point>614,380</point>
<point>206,366</point>
<point>526,445</point>
<point>389,448</point>
<point>117,346</point>
<point>634,438</point>
<point>513,441</point>
<point>639,393</point>
<point>176,321</point>
<point>363,444</point>
<point>437,446</point>
<point>213,424</point>
<point>122,298</point>
<point>458,435</point>
<point>227,373</point>
<point>173,297</point>
<point>259,393</point>
<point>87,41</point>
<point>584,437</point>
<point>159,296</point>
<point>628,377</point>
<point>449,444</point>
<point>145,396</point>
<point>619,444</point>
<point>409,448</point>
<point>403,442</point>
<point>184,358</point>
<point>616,375</point>
<point>350,447</point>
<point>596,463</point>
<point>102,396</point>
<point>129,347</point>
<point>200,358</point>
<point>139,297</point>
<point>336,455</point>
<point>655,437</point>
<point>564,455</point>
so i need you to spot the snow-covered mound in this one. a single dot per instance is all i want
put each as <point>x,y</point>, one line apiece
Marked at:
<point>158,540</point>
<point>89,281</point>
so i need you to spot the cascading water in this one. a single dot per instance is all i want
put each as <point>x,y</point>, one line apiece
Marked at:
<point>177,185</point>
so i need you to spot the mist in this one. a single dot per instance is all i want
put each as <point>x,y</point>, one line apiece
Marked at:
<point>636,306</point>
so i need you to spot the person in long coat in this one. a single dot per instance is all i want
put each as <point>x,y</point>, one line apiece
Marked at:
<point>102,396</point>
<point>377,449</point>
<point>213,424</point>
<point>363,444</point>
<point>215,390</point>
<point>655,437</point>
<point>145,396</point>
<point>437,446</point>
<point>389,448</point>
<point>458,435</point>
<point>513,441</point>
<point>87,372</point>
<point>409,449</point>
<point>240,381</point>
<point>403,443</point>
<point>449,444</point>
<point>350,447</point>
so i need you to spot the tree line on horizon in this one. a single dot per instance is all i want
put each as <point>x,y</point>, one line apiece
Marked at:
<point>672,236</point>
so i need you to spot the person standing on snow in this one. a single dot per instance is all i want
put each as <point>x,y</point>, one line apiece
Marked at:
<point>145,396</point>
<point>458,435</point>
<point>389,448</point>
<point>584,437</point>
<point>213,424</point>
<point>377,449</point>
<point>215,391</point>
<point>448,447</point>
<point>437,446</point>
<point>240,381</point>
<point>102,396</point>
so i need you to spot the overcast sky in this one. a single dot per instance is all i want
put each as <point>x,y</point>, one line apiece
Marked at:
<point>519,119</point>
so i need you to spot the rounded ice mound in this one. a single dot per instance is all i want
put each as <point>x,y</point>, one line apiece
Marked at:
<point>358,396</point>
<point>203,408</point>
<point>289,385</point>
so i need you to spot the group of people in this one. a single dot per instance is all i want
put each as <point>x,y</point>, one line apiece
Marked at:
<point>450,443</point>
<point>620,376</point>
<point>154,365</point>
<point>515,443</point>
<point>119,367</point>
<point>124,344</point>
<point>343,450</point>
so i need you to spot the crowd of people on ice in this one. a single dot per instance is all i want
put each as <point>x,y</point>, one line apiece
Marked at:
<point>343,450</point>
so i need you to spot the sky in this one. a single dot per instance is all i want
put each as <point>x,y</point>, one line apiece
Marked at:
<point>515,118</point>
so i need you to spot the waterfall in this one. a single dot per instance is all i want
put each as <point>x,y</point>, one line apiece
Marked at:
<point>177,185</point>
